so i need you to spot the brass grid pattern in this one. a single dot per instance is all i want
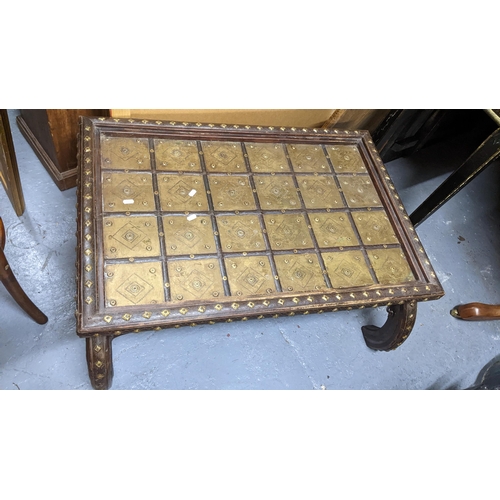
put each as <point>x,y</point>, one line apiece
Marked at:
<point>255,230</point>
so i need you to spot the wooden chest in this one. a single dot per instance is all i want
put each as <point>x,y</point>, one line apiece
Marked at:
<point>182,224</point>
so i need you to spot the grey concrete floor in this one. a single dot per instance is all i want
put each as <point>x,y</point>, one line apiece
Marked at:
<point>308,352</point>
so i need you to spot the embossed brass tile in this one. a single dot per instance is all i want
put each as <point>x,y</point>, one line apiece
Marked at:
<point>374,228</point>
<point>319,191</point>
<point>300,273</point>
<point>308,158</point>
<point>240,233</point>
<point>198,279</point>
<point>188,237</point>
<point>231,193</point>
<point>133,284</point>
<point>125,153</point>
<point>347,269</point>
<point>333,230</point>
<point>346,159</point>
<point>288,232</point>
<point>265,157</point>
<point>276,192</point>
<point>390,266</point>
<point>223,156</point>
<point>177,155</point>
<point>125,237</point>
<point>359,191</point>
<point>127,192</point>
<point>182,193</point>
<point>249,276</point>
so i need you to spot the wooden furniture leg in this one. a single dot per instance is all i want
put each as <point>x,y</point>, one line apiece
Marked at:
<point>475,311</point>
<point>13,287</point>
<point>100,360</point>
<point>9,172</point>
<point>484,155</point>
<point>396,329</point>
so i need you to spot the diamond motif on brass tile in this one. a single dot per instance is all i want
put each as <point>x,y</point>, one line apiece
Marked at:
<point>374,228</point>
<point>125,192</point>
<point>307,158</point>
<point>346,159</point>
<point>359,191</point>
<point>333,230</point>
<point>134,288</point>
<point>390,266</point>
<point>249,275</point>
<point>347,269</point>
<point>300,273</point>
<point>240,233</point>
<point>195,279</point>
<point>287,232</point>
<point>276,192</point>
<point>125,153</point>
<point>175,193</point>
<point>197,283</point>
<point>267,157</point>
<point>174,155</point>
<point>129,235</point>
<point>231,193</point>
<point>188,237</point>
<point>320,192</point>
<point>223,157</point>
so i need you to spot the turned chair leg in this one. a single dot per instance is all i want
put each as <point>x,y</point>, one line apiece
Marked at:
<point>13,287</point>
<point>475,311</point>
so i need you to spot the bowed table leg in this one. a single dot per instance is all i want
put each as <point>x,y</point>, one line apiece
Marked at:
<point>100,361</point>
<point>395,330</point>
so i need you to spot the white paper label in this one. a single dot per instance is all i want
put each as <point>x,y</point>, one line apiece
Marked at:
<point>128,202</point>
<point>191,217</point>
<point>192,192</point>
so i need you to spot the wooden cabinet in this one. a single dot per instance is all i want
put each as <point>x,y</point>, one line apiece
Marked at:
<point>52,133</point>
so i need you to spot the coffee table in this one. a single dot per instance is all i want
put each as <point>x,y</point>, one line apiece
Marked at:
<point>188,223</point>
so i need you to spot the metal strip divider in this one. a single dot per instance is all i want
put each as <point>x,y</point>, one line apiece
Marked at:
<point>218,245</point>
<point>159,220</point>
<point>269,251</point>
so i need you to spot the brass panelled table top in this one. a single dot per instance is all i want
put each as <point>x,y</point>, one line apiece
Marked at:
<point>182,224</point>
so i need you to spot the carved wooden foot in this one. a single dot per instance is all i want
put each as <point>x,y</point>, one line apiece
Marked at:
<point>475,311</point>
<point>100,361</point>
<point>395,330</point>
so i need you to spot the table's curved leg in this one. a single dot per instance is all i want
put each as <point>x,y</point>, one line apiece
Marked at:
<point>100,360</point>
<point>476,311</point>
<point>396,329</point>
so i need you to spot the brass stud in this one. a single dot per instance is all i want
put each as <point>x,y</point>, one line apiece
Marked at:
<point>126,316</point>
<point>107,318</point>
<point>147,315</point>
